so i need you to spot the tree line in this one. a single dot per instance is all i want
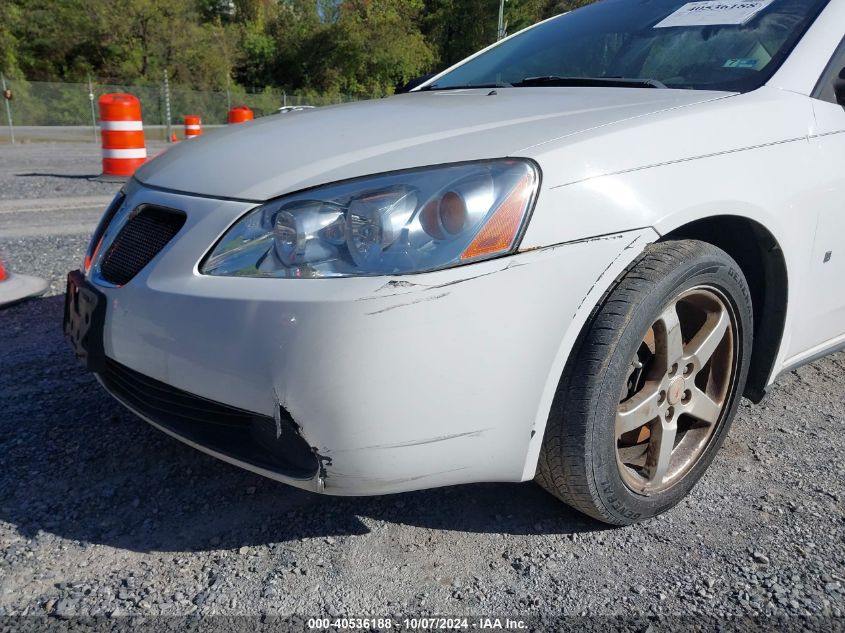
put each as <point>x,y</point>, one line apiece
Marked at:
<point>364,48</point>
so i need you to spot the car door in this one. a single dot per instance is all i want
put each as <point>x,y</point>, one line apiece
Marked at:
<point>822,321</point>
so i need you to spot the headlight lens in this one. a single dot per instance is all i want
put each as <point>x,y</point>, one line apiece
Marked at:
<point>402,222</point>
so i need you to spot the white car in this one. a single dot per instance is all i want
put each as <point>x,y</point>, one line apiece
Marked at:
<point>565,259</point>
<point>292,108</point>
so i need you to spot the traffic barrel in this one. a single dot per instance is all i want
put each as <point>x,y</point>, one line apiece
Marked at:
<point>193,126</point>
<point>14,288</point>
<point>124,149</point>
<point>240,114</point>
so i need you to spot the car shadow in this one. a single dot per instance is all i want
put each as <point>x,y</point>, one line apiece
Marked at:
<point>75,463</point>
<point>52,175</point>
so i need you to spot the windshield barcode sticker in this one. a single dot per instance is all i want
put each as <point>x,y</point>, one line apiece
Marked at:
<point>714,13</point>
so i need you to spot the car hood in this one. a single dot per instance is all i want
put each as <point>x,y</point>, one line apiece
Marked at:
<point>286,152</point>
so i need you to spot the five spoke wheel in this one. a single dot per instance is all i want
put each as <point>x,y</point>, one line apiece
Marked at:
<point>677,390</point>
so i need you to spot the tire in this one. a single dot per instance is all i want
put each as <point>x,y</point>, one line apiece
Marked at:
<point>588,458</point>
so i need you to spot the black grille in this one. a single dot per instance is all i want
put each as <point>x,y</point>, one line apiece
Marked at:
<point>142,238</point>
<point>242,435</point>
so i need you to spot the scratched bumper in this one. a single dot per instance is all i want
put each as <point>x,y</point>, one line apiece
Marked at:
<point>397,383</point>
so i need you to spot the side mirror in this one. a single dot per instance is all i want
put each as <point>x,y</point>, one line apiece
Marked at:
<point>839,87</point>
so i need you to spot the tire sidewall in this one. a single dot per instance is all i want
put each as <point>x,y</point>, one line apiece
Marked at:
<point>711,270</point>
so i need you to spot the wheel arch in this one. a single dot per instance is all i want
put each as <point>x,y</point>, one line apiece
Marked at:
<point>764,267</point>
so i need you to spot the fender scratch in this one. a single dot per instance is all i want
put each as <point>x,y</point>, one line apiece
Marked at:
<point>431,440</point>
<point>410,303</point>
<point>604,272</point>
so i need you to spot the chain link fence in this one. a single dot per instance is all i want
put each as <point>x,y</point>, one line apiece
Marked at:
<point>68,111</point>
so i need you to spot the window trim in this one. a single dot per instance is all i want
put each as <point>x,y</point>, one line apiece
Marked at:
<point>824,88</point>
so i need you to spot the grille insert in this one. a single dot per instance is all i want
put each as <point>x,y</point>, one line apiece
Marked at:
<point>248,437</point>
<point>138,242</point>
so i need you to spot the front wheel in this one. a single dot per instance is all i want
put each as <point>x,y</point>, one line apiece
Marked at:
<point>652,385</point>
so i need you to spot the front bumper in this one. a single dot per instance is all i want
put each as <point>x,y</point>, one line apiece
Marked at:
<point>394,383</point>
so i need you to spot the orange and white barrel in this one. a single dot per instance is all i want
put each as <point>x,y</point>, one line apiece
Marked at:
<point>240,114</point>
<point>193,126</point>
<point>124,149</point>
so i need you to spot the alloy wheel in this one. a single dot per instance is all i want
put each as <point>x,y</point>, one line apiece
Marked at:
<point>678,389</point>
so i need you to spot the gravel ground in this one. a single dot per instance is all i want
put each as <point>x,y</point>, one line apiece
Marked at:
<point>51,170</point>
<point>100,514</point>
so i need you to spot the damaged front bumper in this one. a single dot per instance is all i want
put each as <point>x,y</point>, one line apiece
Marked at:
<point>358,385</point>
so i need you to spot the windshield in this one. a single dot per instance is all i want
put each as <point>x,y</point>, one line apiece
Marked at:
<point>733,46</point>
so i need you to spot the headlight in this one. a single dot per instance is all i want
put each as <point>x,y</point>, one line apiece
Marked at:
<point>401,222</point>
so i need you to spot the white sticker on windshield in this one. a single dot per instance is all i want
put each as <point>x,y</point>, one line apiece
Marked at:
<point>714,12</point>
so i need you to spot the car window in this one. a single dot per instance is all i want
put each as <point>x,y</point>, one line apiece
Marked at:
<point>648,39</point>
<point>824,89</point>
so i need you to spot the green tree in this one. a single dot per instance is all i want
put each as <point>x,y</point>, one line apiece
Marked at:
<point>54,39</point>
<point>10,19</point>
<point>381,45</point>
<point>296,31</point>
<point>122,41</point>
<point>145,37</point>
<point>460,27</point>
<point>358,47</point>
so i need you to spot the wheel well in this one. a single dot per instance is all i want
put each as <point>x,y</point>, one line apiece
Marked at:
<point>759,256</point>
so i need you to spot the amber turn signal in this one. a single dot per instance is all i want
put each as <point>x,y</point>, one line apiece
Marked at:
<point>500,231</point>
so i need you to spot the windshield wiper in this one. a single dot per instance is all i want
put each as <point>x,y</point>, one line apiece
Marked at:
<point>590,82</point>
<point>499,84</point>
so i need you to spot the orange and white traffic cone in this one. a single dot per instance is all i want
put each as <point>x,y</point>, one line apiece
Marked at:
<point>124,149</point>
<point>14,288</point>
<point>193,126</point>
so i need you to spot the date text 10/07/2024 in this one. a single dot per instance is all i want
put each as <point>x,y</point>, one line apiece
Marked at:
<point>415,624</point>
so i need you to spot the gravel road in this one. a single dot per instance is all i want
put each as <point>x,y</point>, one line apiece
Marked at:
<point>101,514</point>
